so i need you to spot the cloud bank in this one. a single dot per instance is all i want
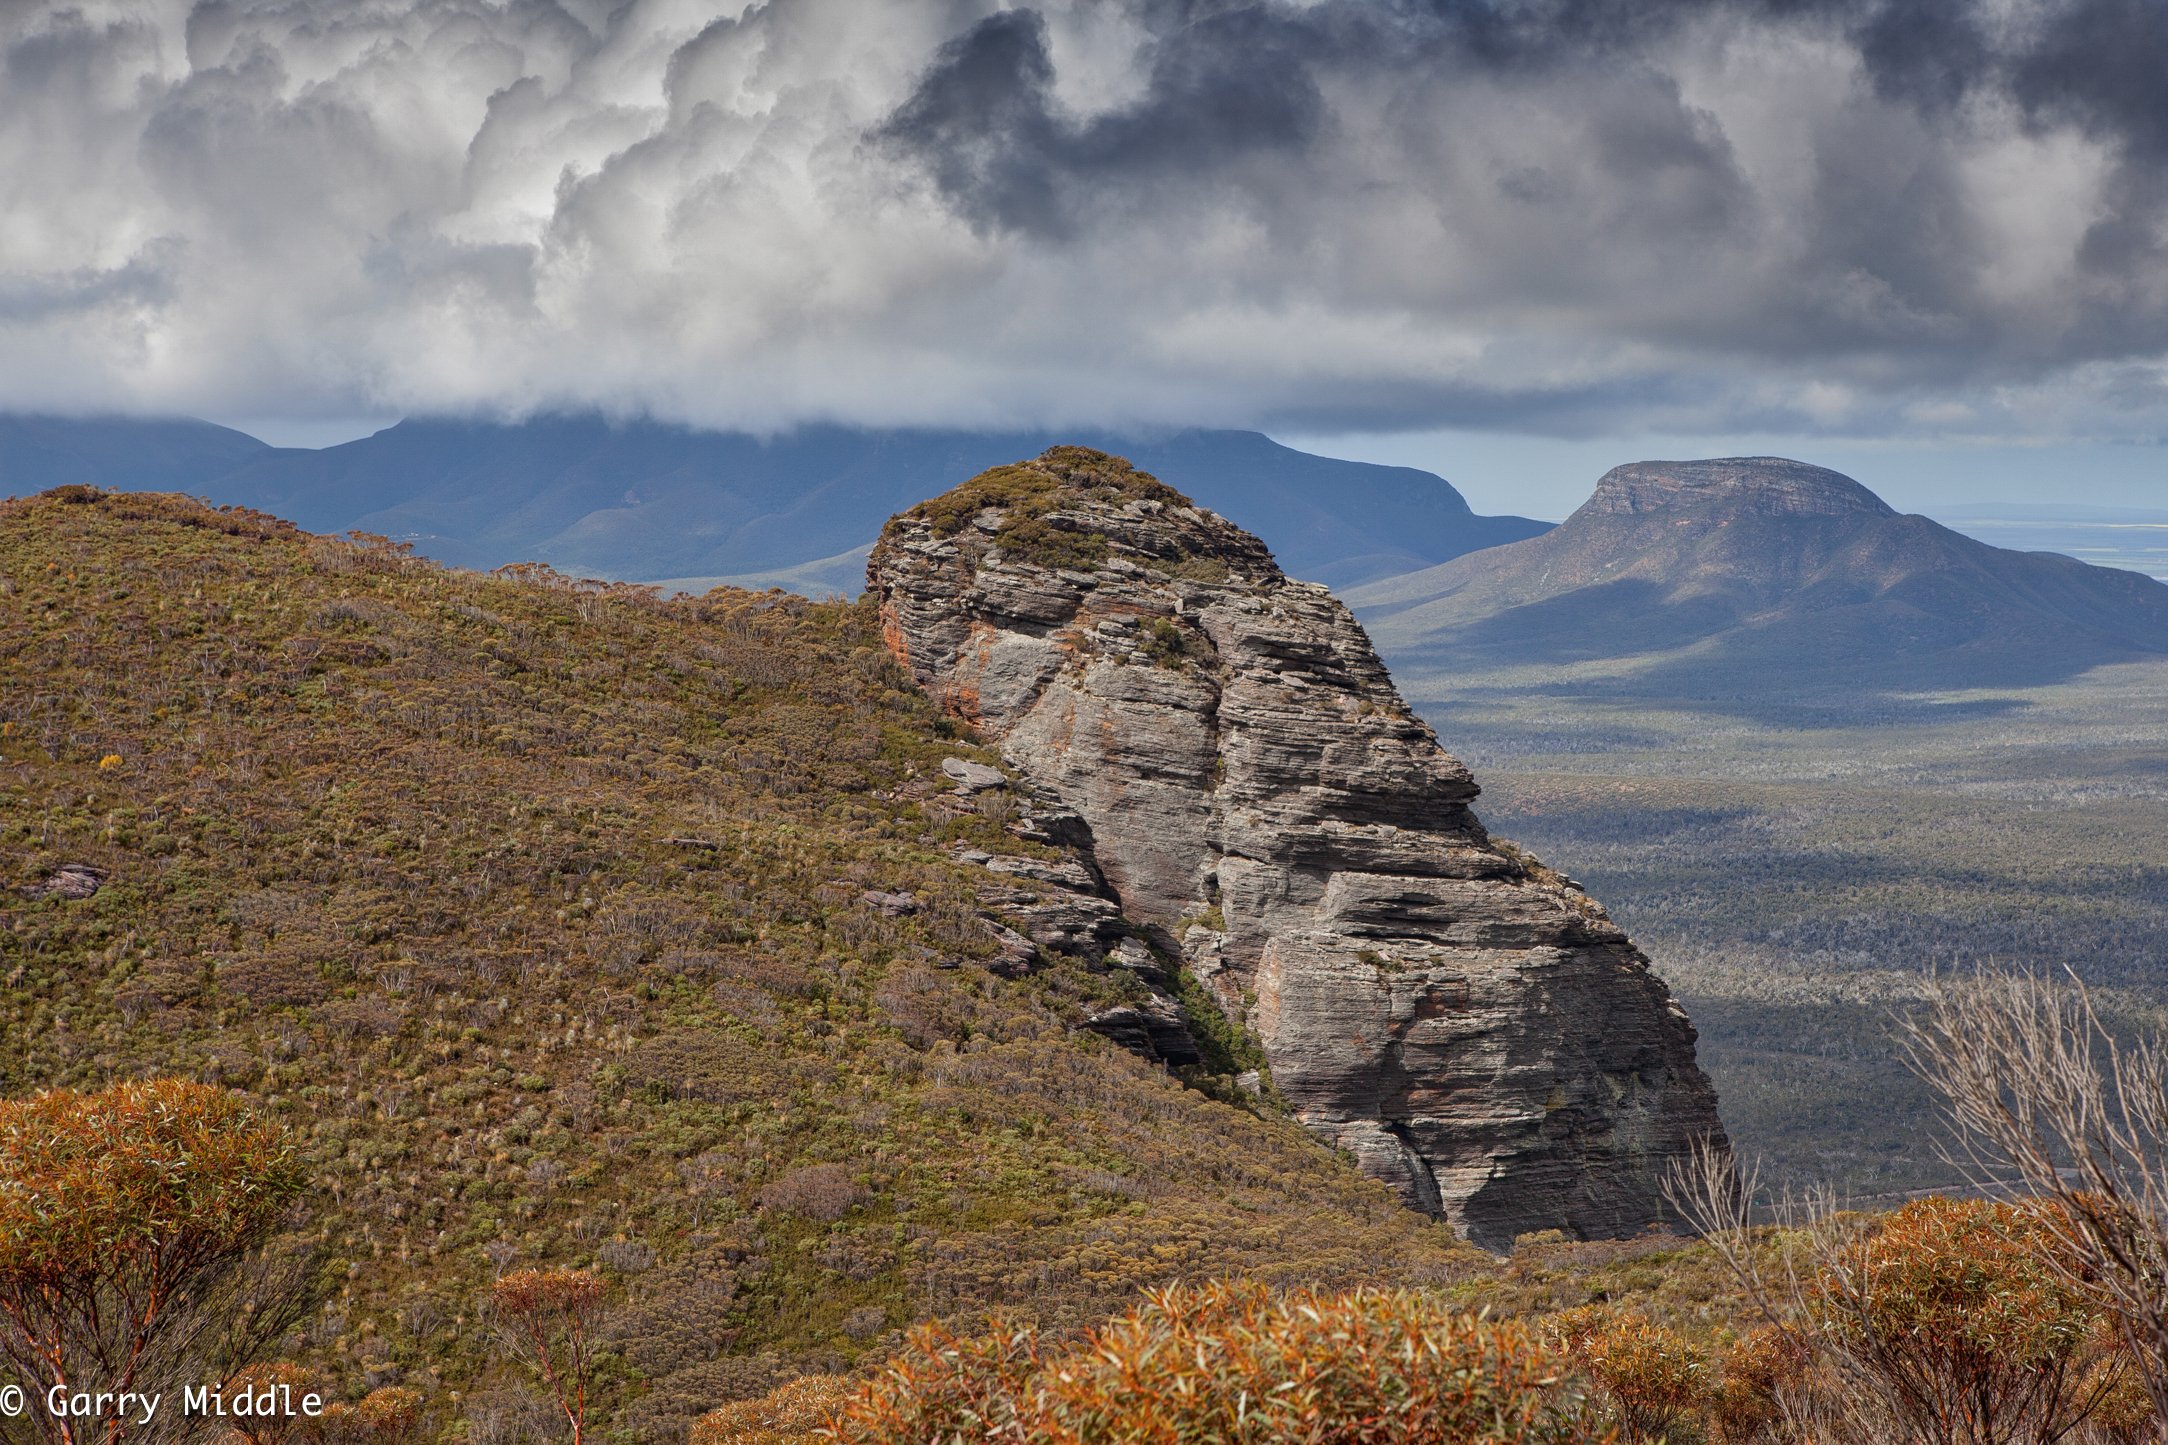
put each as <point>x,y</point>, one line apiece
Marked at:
<point>1864,217</point>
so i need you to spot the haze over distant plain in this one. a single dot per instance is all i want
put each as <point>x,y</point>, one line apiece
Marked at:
<point>1923,241</point>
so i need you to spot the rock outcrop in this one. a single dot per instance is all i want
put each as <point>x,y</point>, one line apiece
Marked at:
<point>1466,1023</point>
<point>72,881</point>
<point>1772,486</point>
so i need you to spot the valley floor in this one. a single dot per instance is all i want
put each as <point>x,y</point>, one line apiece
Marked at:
<point>1792,871</point>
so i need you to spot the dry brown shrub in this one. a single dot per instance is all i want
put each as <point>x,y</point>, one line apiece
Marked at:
<point>825,1192</point>
<point>1650,1377</point>
<point>787,1415</point>
<point>784,979</point>
<point>359,1018</point>
<point>508,1417</point>
<point>706,1064</point>
<point>1232,1363</point>
<point>924,1007</point>
<point>2040,1087</point>
<point>674,1318</point>
<point>391,1415</point>
<point>1757,1371</point>
<point>669,1406</point>
<point>1944,1322</point>
<point>273,982</point>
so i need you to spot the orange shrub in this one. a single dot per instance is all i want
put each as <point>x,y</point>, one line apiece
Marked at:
<point>387,1416</point>
<point>1235,1363</point>
<point>1649,1376</point>
<point>1962,1316</point>
<point>276,1427</point>
<point>548,1318</point>
<point>126,1215</point>
<point>1757,1371</point>
<point>946,1386</point>
<point>789,1414</point>
<point>133,1174</point>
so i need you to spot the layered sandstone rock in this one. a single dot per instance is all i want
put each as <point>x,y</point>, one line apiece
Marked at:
<point>1772,486</point>
<point>1469,1025</point>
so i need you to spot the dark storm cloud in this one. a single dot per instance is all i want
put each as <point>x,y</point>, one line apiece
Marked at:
<point>1891,263</point>
<point>2101,64</point>
<point>1859,215</point>
<point>1224,87</point>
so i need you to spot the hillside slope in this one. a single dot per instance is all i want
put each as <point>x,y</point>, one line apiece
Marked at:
<point>647,501</point>
<point>1743,575</point>
<point>571,926</point>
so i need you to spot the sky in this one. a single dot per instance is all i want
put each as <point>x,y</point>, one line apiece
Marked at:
<point>1923,241</point>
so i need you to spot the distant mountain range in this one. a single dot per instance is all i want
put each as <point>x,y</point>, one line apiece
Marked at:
<point>37,452</point>
<point>1744,574</point>
<point>647,501</point>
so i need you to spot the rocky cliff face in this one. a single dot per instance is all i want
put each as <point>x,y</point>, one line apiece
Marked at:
<point>1769,486</point>
<point>1468,1024</point>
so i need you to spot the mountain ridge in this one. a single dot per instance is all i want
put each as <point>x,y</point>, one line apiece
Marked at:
<point>1744,575</point>
<point>649,501</point>
<point>38,452</point>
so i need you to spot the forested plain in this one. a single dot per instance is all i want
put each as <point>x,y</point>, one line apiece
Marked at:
<point>1795,864</point>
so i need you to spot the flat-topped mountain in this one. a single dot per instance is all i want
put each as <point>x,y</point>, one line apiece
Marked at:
<point>1253,790</point>
<point>1772,486</point>
<point>1742,576</point>
<point>646,501</point>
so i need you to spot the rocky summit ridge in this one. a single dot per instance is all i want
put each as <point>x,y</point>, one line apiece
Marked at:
<point>1251,792</point>
<point>1771,486</point>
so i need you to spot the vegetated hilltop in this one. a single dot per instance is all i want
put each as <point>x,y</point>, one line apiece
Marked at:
<point>656,502</point>
<point>577,927</point>
<point>1467,1022</point>
<point>1737,576</point>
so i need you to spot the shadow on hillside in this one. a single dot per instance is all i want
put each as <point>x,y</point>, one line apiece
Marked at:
<point>1766,693</point>
<point>1846,658</point>
<point>1613,619</point>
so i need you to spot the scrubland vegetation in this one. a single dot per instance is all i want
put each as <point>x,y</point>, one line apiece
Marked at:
<point>540,915</point>
<point>2037,1318</point>
<point>523,1010</point>
<point>1795,867</point>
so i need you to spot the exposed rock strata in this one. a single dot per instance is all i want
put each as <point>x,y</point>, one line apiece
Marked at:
<point>1772,486</point>
<point>1470,1026</point>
